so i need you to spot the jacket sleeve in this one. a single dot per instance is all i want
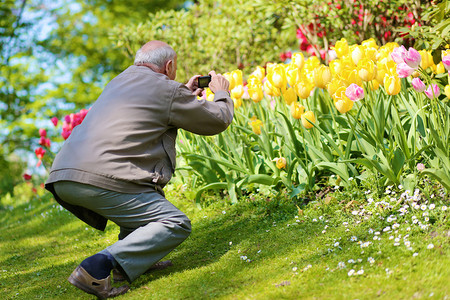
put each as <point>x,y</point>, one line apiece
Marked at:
<point>201,116</point>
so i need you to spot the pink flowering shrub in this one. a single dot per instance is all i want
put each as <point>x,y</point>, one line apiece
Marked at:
<point>69,122</point>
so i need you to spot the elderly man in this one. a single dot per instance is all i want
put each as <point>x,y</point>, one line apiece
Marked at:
<point>115,164</point>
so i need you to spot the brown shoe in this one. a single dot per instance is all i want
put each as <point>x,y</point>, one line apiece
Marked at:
<point>160,265</point>
<point>100,288</point>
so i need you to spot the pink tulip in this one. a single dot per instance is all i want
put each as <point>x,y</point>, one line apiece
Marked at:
<point>403,70</point>
<point>54,121</point>
<point>433,91</point>
<point>446,62</point>
<point>412,58</point>
<point>398,53</point>
<point>418,85</point>
<point>420,167</point>
<point>354,92</point>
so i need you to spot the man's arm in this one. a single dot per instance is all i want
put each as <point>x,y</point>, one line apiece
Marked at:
<point>201,116</point>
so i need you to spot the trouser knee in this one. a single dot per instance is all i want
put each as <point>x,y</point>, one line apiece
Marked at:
<point>183,225</point>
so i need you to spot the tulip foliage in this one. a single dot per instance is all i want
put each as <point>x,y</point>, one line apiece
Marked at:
<point>373,114</point>
<point>359,117</point>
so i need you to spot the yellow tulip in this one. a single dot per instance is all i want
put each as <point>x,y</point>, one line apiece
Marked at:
<point>298,59</point>
<point>278,77</point>
<point>427,59</point>
<point>374,85</point>
<point>303,89</point>
<point>308,116</point>
<point>351,76</point>
<point>311,63</point>
<point>237,92</point>
<point>230,79</point>
<point>270,67</point>
<point>270,89</point>
<point>370,53</point>
<point>341,48</point>
<point>439,68</point>
<point>322,76</point>
<point>260,73</point>
<point>445,53</point>
<point>343,106</point>
<point>342,103</point>
<point>292,74</point>
<point>356,53</point>
<point>256,93</point>
<point>367,70</point>
<point>237,76</point>
<point>289,96</point>
<point>297,110</point>
<point>447,91</point>
<point>255,124</point>
<point>253,80</point>
<point>335,66</point>
<point>334,84</point>
<point>392,84</point>
<point>369,43</point>
<point>385,66</point>
<point>280,162</point>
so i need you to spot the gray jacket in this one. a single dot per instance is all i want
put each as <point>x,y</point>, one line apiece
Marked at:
<point>126,143</point>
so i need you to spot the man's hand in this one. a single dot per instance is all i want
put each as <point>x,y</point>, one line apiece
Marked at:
<point>218,82</point>
<point>192,84</point>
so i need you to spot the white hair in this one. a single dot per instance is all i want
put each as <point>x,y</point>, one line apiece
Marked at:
<point>157,56</point>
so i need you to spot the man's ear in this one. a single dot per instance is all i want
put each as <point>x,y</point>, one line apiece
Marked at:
<point>169,67</point>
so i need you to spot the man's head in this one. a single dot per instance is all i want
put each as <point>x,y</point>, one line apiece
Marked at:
<point>159,57</point>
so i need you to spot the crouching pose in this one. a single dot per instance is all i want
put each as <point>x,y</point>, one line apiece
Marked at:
<point>116,162</point>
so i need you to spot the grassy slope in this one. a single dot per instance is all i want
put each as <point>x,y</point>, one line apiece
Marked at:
<point>41,244</point>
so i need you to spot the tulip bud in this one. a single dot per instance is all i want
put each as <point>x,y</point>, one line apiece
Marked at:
<point>298,59</point>
<point>303,89</point>
<point>292,74</point>
<point>447,91</point>
<point>278,77</point>
<point>427,59</point>
<point>260,73</point>
<point>256,125</point>
<point>357,54</point>
<point>367,70</point>
<point>392,84</point>
<point>281,162</point>
<point>398,53</point>
<point>412,58</point>
<point>342,103</point>
<point>308,117</point>
<point>374,85</point>
<point>237,92</point>
<point>354,92</point>
<point>341,48</point>
<point>289,96</point>
<point>418,85</point>
<point>432,91</point>
<point>446,62</point>
<point>322,76</point>
<point>403,70</point>
<point>255,93</point>
<point>297,110</point>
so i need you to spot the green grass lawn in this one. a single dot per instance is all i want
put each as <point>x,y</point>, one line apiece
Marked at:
<point>258,249</point>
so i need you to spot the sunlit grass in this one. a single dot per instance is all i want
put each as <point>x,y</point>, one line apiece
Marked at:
<point>257,249</point>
